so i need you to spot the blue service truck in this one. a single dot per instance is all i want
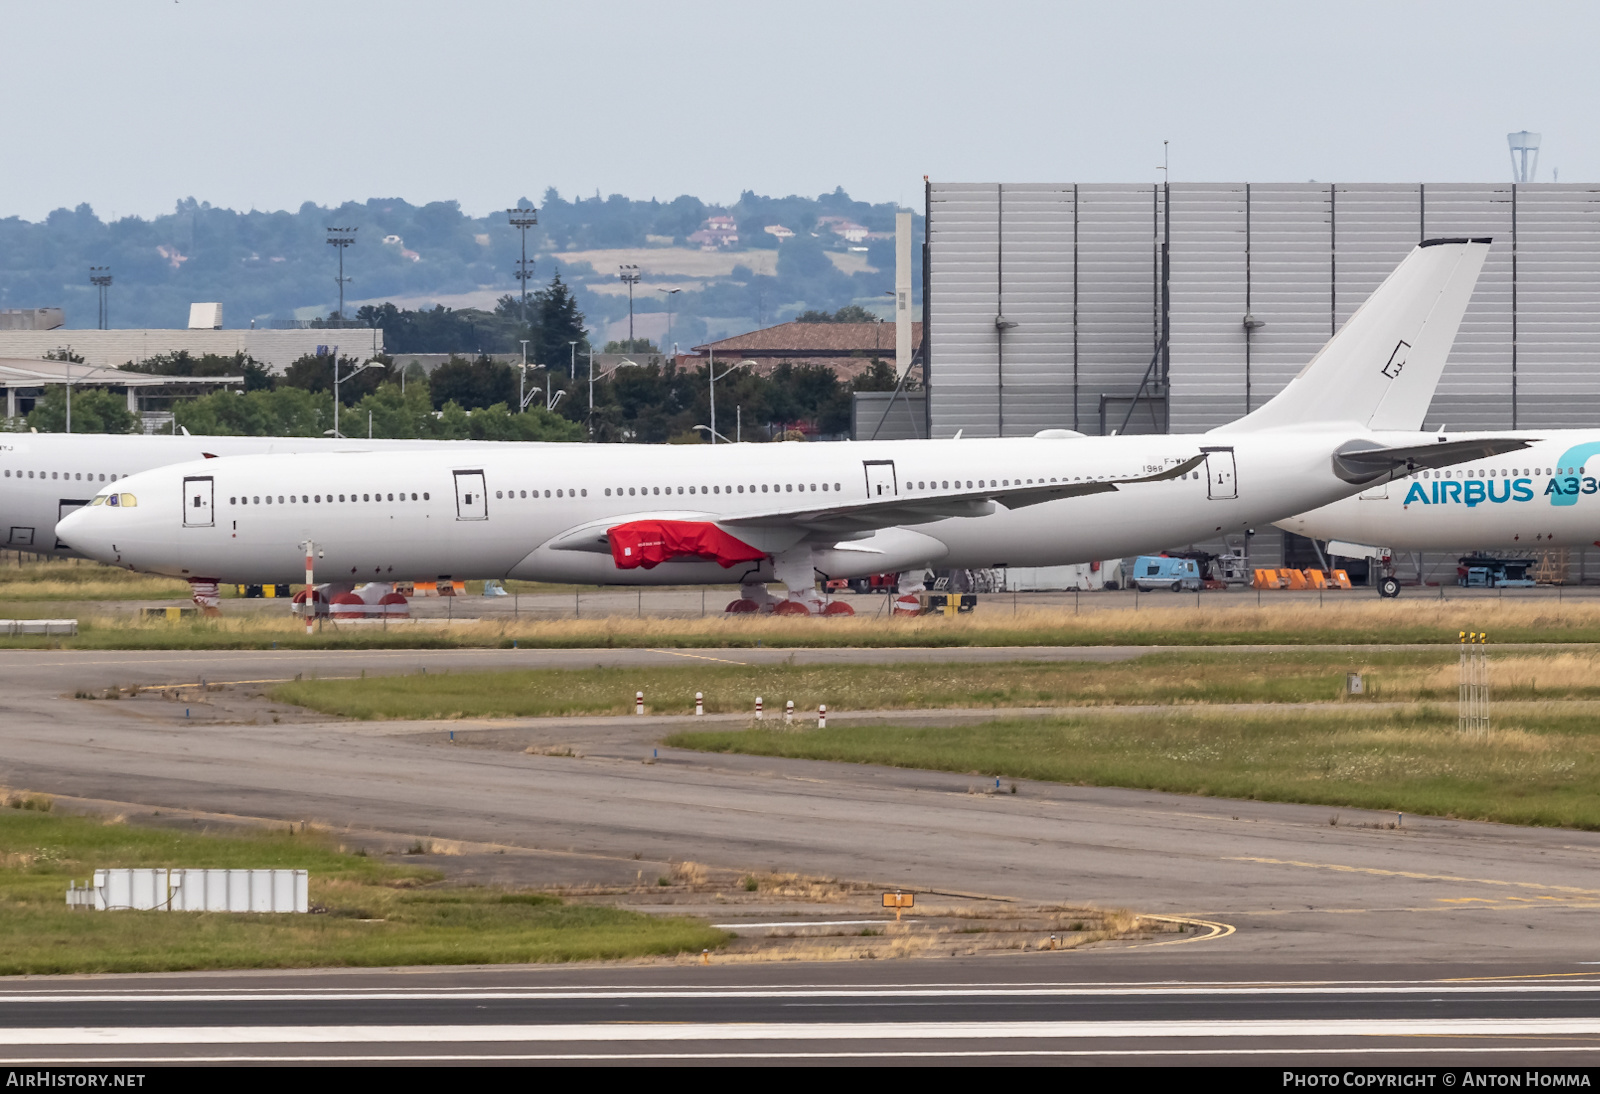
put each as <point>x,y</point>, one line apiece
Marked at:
<point>1160,572</point>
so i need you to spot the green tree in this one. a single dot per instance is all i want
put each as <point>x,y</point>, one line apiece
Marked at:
<point>472,384</point>
<point>879,376</point>
<point>257,377</point>
<point>284,412</point>
<point>498,423</point>
<point>559,322</point>
<point>314,372</point>
<point>453,423</point>
<point>94,410</point>
<point>396,414</point>
<point>850,313</point>
<point>633,345</point>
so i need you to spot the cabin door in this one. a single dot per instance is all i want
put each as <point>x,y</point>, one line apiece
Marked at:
<point>471,502</point>
<point>880,478</point>
<point>197,498</point>
<point>1222,476</point>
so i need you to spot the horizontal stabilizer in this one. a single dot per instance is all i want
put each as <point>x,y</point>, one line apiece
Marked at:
<point>1363,462</point>
<point>1344,549</point>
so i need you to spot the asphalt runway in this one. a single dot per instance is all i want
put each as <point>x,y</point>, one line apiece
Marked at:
<point>1297,896</point>
<point>984,1013</point>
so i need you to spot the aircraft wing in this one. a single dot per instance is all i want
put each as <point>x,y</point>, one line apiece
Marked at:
<point>889,512</point>
<point>776,529</point>
<point>1355,463</point>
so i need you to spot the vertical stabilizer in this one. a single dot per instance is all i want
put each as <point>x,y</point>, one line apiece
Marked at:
<point>1380,370</point>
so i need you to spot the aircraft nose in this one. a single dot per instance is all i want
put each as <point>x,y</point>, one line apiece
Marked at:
<point>85,531</point>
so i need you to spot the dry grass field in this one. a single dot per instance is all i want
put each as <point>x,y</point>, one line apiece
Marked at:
<point>677,261</point>
<point>1184,679</point>
<point>74,579</point>
<point>1222,622</point>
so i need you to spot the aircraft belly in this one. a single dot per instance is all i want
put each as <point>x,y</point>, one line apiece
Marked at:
<point>1417,527</point>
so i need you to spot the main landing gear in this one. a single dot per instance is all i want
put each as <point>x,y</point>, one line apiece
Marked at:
<point>794,569</point>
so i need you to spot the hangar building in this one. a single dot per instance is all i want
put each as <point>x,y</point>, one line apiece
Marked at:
<point>1157,308</point>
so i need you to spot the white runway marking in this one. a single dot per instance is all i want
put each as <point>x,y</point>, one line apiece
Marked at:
<point>1155,991</point>
<point>796,1031</point>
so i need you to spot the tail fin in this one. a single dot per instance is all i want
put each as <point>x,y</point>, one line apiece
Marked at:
<point>1381,368</point>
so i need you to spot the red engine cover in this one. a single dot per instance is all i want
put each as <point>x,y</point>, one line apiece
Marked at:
<point>649,543</point>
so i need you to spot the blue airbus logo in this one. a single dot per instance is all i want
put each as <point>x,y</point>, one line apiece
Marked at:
<point>1562,488</point>
<point>1474,492</point>
<point>1576,456</point>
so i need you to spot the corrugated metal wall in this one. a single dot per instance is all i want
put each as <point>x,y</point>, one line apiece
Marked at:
<point>1076,268</point>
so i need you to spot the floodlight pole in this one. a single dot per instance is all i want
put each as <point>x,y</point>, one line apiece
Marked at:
<point>100,278</point>
<point>339,239</point>
<point>629,275</point>
<point>523,218</point>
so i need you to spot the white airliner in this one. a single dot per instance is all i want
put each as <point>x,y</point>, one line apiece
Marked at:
<point>624,514</point>
<point>1541,497</point>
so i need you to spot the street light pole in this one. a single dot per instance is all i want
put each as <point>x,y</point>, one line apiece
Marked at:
<point>670,294</point>
<point>522,381</point>
<point>523,218</point>
<point>336,380</point>
<point>712,378</point>
<point>629,275</point>
<point>339,239</point>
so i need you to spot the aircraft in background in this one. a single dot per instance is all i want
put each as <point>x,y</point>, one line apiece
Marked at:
<point>45,476</point>
<point>622,514</point>
<point>1539,498</point>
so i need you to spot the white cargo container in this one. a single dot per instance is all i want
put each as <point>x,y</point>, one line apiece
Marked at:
<point>192,890</point>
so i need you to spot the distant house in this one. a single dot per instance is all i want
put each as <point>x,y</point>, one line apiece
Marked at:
<point>778,230</point>
<point>847,348</point>
<point>845,228</point>
<point>717,231</point>
<point>407,253</point>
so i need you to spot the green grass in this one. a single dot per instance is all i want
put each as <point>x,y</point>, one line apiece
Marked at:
<point>377,913</point>
<point>1159,678</point>
<point>1539,770</point>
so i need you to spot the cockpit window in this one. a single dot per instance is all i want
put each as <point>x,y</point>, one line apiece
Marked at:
<point>126,501</point>
<point>101,500</point>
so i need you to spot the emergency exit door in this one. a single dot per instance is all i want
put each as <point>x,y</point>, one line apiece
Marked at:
<point>880,478</point>
<point>1222,476</point>
<point>471,502</point>
<point>197,499</point>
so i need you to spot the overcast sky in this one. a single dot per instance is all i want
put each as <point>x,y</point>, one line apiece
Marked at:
<point>132,104</point>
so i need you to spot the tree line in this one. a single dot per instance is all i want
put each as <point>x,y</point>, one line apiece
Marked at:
<point>478,398</point>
